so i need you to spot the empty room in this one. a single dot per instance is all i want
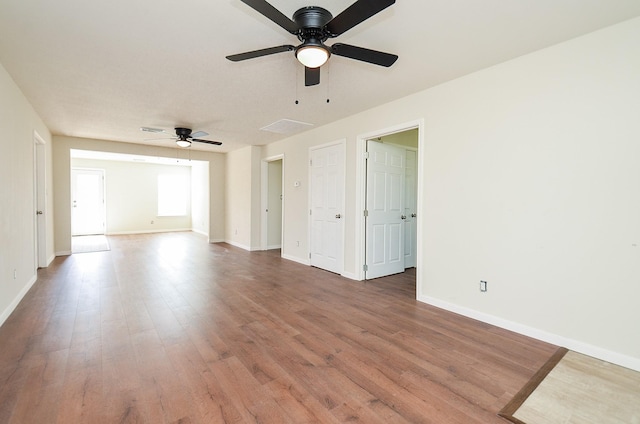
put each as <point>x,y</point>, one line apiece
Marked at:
<point>283,212</point>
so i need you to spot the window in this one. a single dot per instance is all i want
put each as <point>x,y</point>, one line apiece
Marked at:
<point>173,191</point>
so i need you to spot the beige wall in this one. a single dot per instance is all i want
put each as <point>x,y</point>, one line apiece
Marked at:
<point>407,138</point>
<point>529,180</point>
<point>18,121</point>
<point>243,198</point>
<point>62,190</point>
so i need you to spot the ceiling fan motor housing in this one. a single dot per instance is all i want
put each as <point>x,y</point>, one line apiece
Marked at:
<point>183,133</point>
<point>311,20</point>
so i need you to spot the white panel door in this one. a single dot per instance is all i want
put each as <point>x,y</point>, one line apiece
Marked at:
<point>385,207</point>
<point>327,188</point>
<point>87,202</point>
<point>410,208</point>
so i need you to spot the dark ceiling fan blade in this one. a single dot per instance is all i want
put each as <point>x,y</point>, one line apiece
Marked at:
<point>272,13</point>
<point>358,12</point>
<point>311,76</point>
<point>258,53</point>
<point>217,143</point>
<point>365,55</point>
<point>199,134</point>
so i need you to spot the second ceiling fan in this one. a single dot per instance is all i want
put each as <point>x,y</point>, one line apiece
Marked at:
<point>313,26</point>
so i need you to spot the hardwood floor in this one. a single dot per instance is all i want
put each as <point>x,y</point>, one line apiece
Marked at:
<point>166,328</point>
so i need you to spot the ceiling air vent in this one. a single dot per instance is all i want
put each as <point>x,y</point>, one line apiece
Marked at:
<point>286,126</point>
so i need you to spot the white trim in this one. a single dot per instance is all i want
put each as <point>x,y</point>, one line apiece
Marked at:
<point>298,260</point>
<point>575,345</point>
<point>16,301</point>
<point>273,246</point>
<point>217,241</point>
<point>204,233</point>
<point>361,177</point>
<point>63,253</point>
<point>242,246</point>
<point>121,233</point>
<point>350,275</point>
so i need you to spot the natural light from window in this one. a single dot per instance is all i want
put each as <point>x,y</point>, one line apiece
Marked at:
<point>172,195</point>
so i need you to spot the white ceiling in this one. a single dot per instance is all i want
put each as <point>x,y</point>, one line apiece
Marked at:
<point>104,69</point>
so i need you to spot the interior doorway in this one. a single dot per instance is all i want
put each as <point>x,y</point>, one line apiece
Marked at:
<point>87,202</point>
<point>388,232</point>
<point>40,201</point>
<point>272,203</point>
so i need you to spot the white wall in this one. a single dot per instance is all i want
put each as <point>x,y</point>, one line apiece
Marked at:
<point>200,197</point>
<point>62,191</point>
<point>131,196</point>
<point>530,181</point>
<point>243,198</point>
<point>18,121</point>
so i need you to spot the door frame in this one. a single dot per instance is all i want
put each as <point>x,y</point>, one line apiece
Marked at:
<point>40,201</point>
<point>340,142</point>
<point>361,178</point>
<point>264,201</point>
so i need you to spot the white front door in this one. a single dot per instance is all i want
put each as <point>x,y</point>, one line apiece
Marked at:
<point>327,209</point>
<point>410,208</point>
<point>385,210</point>
<point>87,202</point>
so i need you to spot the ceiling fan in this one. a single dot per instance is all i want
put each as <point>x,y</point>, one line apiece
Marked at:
<point>313,25</point>
<point>184,136</point>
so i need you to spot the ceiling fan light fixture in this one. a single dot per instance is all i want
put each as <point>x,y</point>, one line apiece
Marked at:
<point>312,55</point>
<point>183,143</point>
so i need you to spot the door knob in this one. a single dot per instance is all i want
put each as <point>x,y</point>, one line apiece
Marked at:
<point>403,217</point>
<point>338,216</point>
<point>413,215</point>
<point>38,212</point>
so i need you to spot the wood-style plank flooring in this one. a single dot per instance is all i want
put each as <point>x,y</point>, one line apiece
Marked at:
<point>166,328</point>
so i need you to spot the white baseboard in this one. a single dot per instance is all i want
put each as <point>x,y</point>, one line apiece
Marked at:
<point>204,233</point>
<point>273,246</point>
<point>63,253</point>
<point>575,345</point>
<point>241,246</point>
<point>14,303</point>
<point>51,258</point>
<point>350,275</point>
<point>298,260</point>
<point>216,241</point>
<point>124,233</point>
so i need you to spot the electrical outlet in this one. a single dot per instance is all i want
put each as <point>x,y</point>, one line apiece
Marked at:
<point>483,286</point>
<point>15,274</point>
<point>152,222</point>
<point>298,243</point>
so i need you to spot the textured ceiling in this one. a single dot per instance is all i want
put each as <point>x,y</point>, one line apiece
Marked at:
<point>105,69</point>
